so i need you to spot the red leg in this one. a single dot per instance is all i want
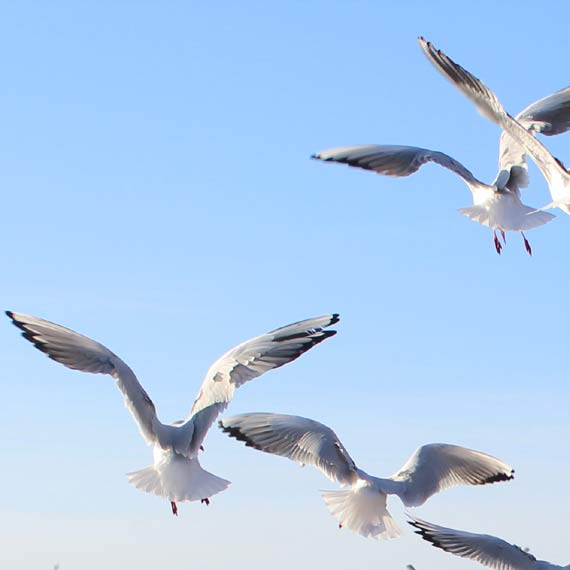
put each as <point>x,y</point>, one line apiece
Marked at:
<point>205,501</point>
<point>174,508</point>
<point>504,236</point>
<point>339,525</point>
<point>526,244</point>
<point>201,448</point>
<point>498,245</point>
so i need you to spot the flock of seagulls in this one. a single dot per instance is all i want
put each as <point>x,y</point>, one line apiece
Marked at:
<point>176,473</point>
<point>497,205</point>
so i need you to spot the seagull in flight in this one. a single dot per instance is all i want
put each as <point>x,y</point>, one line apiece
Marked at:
<point>483,548</point>
<point>432,468</point>
<point>488,104</point>
<point>176,473</point>
<point>497,205</point>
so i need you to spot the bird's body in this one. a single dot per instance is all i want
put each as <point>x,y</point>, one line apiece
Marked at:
<point>176,473</point>
<point>362,508</point>
<point>483,548</point>
<point>497,205</point>
<point>489,106</point>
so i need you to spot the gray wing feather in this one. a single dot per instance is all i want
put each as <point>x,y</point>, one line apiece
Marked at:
<point>299,439</point>
<point>438,466</point>
<point>483,548</point>
<point>394,160</point>
<point>251,359</point>
<point>490,107</point>
<point>79,352</point>
<point>548,116</point>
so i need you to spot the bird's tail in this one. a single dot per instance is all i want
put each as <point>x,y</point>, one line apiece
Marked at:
<point>178,479</point>
<point>535,218</point>
<point>362,510</point>
<point>523,219</point>
<point>476,213</point>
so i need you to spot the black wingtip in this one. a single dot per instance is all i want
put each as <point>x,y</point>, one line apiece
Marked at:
<point>236,433</point>
<point>425,535</point>
<point>416,526</point>
<point>16,322</point>
<point>29,334</point>
<point>315,156</point>
<point>497,478</point>
<point>317,334</point>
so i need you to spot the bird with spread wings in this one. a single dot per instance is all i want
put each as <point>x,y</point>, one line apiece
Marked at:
<point>176,473</point>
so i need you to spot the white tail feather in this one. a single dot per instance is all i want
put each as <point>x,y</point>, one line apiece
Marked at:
<point>478,214</point>
<point>362,510</point>
<point>178,479</point>
<point>521,219</point>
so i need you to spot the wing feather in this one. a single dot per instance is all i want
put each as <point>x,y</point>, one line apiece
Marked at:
<point>438,466</point>
<point>392,160</point>
<point>483,548</point>
<point>490,107</point>
<point>299,439</point>
<point>548,116</point>
<point>79,352</point>
<point>251,359</point>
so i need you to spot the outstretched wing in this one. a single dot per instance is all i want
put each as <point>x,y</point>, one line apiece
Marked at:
<point>394,160</point>
<point>548,116</point>
<point>299,439</point>
<point>438,466</point>
<point>490,107</point>
<point>82,353</point>
<point>250,360</point>
<point>483,548</point>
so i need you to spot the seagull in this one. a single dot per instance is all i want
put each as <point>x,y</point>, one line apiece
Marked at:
<point>362,509</point>
<point>176,473</point>
<point>497,205</point>
<point>489,106</point>
<point>483,548</point>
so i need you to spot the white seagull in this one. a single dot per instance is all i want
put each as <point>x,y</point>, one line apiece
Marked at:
<point>489,106</point>
<point>432,468</point>
<point>483,548</point>
<point>497,205</point>
<point>176,473</point>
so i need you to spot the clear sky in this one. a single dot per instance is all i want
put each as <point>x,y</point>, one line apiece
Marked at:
<point>158,196</point>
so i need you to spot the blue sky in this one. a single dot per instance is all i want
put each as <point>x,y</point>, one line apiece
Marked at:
<point>159,197</point>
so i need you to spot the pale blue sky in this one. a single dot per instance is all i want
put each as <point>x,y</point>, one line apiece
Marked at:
<point>159,197</point>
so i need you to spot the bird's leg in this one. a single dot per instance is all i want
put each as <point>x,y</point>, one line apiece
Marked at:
<point>504,236</point>
<point>339,525</point>
<point>498,245</point>
<point>201,448</point>
<point>205,501</point>
<point>174,508</point>
<point>526,244</point>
